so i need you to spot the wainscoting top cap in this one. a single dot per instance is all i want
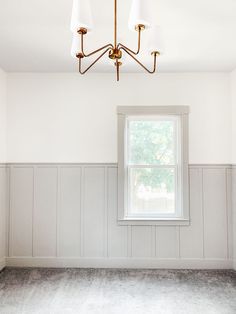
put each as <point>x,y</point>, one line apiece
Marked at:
<point>144,110</point>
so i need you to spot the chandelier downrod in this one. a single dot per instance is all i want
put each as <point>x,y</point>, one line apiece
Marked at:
<point>115,24</point>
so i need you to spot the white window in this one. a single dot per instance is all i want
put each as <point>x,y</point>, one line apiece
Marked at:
<point>153,165</point>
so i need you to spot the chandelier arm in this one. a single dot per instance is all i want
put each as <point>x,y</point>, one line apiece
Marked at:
<point>93,52</point>
<point>143,66</point>
<point>139,44</point>
<point>89,67</point>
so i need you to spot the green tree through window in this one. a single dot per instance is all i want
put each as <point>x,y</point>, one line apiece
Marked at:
<point>152,143</point>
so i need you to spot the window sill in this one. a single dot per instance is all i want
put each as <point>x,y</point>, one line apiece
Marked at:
<point>154,222</point>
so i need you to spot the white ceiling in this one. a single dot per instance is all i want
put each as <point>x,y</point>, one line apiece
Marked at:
<point>199,35</point>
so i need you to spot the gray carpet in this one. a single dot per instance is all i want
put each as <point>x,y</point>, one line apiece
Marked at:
<point>80,291</point>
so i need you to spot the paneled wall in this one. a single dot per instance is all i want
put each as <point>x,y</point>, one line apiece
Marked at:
<point>234,212</point>
<point>3,214</point>
<point>65,215</point>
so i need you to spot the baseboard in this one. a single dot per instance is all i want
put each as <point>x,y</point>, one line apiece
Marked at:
<point>2,263</point>
<point>147,263</point>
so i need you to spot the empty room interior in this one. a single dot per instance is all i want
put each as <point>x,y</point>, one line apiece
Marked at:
<point>118,157</point>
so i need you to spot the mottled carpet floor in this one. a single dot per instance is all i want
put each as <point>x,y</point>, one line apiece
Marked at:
<point>96,291</point>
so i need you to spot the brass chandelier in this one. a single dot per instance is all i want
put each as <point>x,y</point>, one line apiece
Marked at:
<point>81,24</point>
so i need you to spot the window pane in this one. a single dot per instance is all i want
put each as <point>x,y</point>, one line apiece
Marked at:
<point>152,191</point>
<point>152,142</point>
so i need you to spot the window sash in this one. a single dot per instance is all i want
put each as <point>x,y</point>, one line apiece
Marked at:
<point>178,212</point>
<point>129,214</point>
<point>176,136</point>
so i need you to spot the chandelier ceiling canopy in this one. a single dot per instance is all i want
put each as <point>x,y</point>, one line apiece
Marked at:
<point>139,20</point>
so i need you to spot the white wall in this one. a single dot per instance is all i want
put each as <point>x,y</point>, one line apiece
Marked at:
<point>69,118</point>
<point>3,108</point>
<point>2,168</point>
<point>233,99</point>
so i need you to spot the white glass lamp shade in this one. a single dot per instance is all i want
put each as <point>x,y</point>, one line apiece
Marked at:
<point>81,16</point>
<point>75,49</point>
<point>139,14</point>
<point>155,40</point>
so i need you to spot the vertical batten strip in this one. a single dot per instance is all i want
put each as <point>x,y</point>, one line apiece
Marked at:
<point>33,214</point>
<point>178,255</point>
<point>10,213</point>
<point>33,206</point>
<point>226,211</point>
<point>8,210</point>
<point>82,212</point>
<point>105,235</point>
<point>129,240</point>
<point>156,241</point>
<point>58,208</point>
<point>233,200</point>
<point>153,241</point>
<point>228,175</point>
<point>203,212</point>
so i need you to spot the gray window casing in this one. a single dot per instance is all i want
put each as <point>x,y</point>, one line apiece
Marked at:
<point>125,111</point>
